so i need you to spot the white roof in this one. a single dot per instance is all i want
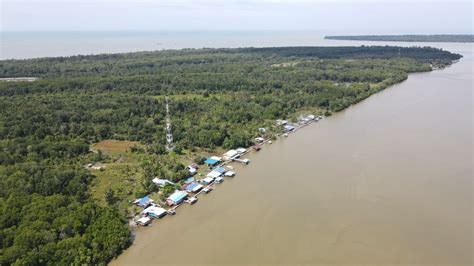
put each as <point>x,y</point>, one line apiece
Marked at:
<point>216,158</point>
<point>230,154</point>
<point>214,174</point>
<point>158,211</point>
<point>197,188</point>
<point>143,220</point>
<point>241,150</point>
<point>208,180</point>
<point>161,182</point>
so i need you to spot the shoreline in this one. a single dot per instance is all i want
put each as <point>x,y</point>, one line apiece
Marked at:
<point>204,122</point>
<point>410,38</point>
<point>171,210</point>
<point>297,185</point>
<point>135,230</point>
<point>160,237</point>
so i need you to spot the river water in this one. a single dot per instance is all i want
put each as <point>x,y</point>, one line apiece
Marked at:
<point>387,181</point>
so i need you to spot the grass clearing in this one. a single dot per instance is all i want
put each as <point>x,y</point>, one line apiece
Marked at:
<point>114,146</point>
<point>123,179</point>
<point>122,174</point>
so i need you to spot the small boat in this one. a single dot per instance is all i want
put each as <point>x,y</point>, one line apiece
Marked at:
<point>144,221</point>
<point>171,212</point>
<point>191,200</point>
<point>270,142</point>
<point>219,180</point>
<point>286,134</point>
<point>245,161</point>
<point>207,189</point>
<point>229,173</point>
<point>257,147</point>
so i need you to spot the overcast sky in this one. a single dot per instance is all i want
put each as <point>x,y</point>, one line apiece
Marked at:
<point>345,16</point>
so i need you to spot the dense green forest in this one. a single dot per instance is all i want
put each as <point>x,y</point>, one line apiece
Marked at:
<point>408,38</point>
<point>218,99</point>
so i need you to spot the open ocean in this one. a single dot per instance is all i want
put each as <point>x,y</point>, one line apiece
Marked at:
<point>21,45</point>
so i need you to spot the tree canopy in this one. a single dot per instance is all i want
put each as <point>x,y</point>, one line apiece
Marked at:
<point>218,98</point>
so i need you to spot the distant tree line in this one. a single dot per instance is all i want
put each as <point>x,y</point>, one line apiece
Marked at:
<point>407,38</point>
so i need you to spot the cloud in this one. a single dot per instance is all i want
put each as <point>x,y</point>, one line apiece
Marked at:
<point>350,15</point>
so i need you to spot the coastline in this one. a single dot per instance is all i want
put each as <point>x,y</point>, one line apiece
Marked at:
<point>172,209</point>
<point>176,174</point>
<point>25,45</point>
<point>434,38</point>
<point>220,216</point>
<point>278,138</point>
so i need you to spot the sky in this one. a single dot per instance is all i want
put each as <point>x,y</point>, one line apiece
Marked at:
<point>341,16</point>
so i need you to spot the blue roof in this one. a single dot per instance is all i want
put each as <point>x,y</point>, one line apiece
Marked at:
<point>191,186</point>
<point>178,196</point>
<point>143,201</point>
<point>211,161</point>
<point>220,170</point>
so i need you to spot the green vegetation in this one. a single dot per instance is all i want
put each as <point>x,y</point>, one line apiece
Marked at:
<point>55,210</point>
<point>408,38</point>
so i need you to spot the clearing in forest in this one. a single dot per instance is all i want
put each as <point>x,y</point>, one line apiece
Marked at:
<point>114,146</point>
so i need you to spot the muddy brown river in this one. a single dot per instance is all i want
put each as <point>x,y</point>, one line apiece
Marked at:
<point>387,181</point>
